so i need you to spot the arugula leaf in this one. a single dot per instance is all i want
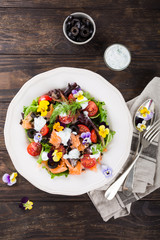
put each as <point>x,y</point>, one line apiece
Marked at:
<point>102,112</point>
<point>88,96</point>
<point>45,148</point>
<point>31,108</point>
<point>96,148</point>
<point>65,108</point>
<point>109,137</point>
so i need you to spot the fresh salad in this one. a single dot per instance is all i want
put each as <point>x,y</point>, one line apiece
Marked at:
<point>67,131</point>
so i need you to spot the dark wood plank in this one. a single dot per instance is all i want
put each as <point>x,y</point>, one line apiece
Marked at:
<point>52,221</point>
<point>16,70</point>
<point>79,4</point>
<point>39,31</point>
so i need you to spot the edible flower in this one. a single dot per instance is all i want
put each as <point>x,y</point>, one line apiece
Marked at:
<point>55,155</point>
<point>144,112</point>
<point>38,137</point>
<point>86,137</point>
<point>103,131</point>
<point>26,204</point>
<point>58,127</point>
<point>10,179</point>
<point>106,171</point>
<point>42,108</point>
<point>78,94</point>
<point>141,126</point>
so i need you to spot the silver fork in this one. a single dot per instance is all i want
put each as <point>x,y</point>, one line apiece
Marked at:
<point>146,140</point>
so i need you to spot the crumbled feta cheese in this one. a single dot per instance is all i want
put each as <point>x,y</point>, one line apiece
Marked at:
<point>83,105</point>
<point>96,156</point>
<point>64,135</point>
<point>75,133</point>
<point>85,113</point>
<point>44,156</point>
<point>39,123</point>
<point>73,154</point>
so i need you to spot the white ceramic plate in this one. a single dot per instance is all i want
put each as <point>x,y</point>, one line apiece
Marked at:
<point>118,117</point>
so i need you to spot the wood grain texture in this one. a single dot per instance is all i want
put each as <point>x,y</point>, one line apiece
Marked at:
<point>31,42</point>
<point>77,221</point>
<point>89,4</point>
<point>39,31</point>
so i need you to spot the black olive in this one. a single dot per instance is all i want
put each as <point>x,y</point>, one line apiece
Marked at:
<point>74,31</point>
<point>74,128</point>
<point>68,25</point>
<point>52,164</point>
<point>85,32</point>
<point>70,18</point>
<point>22,114</point>
<point>31,133</point>
<point>74,21</point>
<point>78,25</point>
<point>86,21</point>
<point>35,115</point>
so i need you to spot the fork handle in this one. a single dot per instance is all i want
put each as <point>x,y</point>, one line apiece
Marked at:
<point>113,189</point>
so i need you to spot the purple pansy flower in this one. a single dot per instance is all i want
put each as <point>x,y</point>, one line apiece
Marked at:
<point>26,203</point>
<point>9,179</point>
<point>86,137</point>
<point>77,92</point>
<point>106,171</point>
<point>149,116</point>
<point>38,137</point>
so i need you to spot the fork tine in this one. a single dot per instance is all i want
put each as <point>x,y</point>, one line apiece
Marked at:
<point>152,128</point>
<point>154,136</point>
<point>152,133</point>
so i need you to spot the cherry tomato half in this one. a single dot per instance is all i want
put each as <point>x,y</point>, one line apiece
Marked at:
<point>44,97</point>
<point>93,136</point>
<point>92,109</point>
<point>66,120</point>
<point>34,149</point>
<point>87,161</point>
<point>71,97</point>
<point>44,130</point>
<point>83,128</point>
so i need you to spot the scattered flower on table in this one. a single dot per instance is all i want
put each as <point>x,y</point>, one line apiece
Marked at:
<point>86,137</point>
<point>106,171</point>
<point>141,126</point>
<point>26,204</point>
<point>103,131</point>
<point>43,107</point>
<point>38,137</point>
<point>10,179</point>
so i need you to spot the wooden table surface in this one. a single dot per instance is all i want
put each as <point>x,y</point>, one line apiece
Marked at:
<point>31,42</point>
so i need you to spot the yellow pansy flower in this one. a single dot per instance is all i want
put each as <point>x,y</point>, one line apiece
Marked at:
<point>43,107</point>
<point>80,97</point>
<point>141,126</point>
<point>56,156</point>
<point>58,127</point>
<point>28,205</point>
<point>144,111</point>
<point>13,177</point>
<point>103,131</point>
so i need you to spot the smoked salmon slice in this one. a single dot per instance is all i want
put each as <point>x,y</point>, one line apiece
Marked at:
<point>74,170</point>
<point>60,168</point>
<point>55,140</point>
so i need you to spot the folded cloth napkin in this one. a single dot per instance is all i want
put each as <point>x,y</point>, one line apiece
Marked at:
<point>147,169</point>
